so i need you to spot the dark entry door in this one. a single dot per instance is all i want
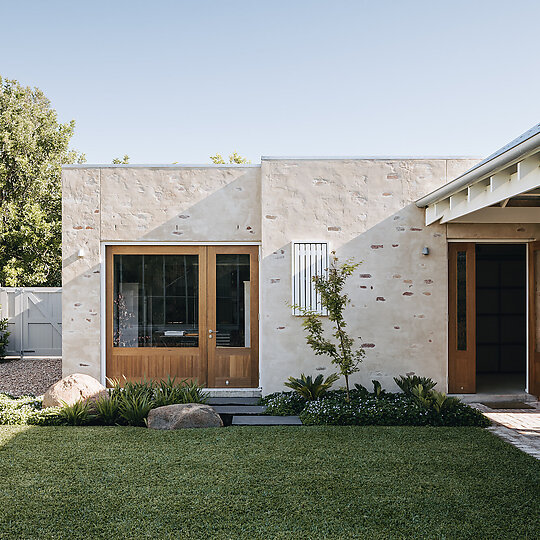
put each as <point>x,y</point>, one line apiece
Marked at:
<point>534,318</point>
<point>461,318</point>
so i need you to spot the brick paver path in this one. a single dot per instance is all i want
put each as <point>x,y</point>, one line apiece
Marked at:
<point>520,427</point>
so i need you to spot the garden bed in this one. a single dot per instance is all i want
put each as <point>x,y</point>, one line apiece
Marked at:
<point>364,409</point>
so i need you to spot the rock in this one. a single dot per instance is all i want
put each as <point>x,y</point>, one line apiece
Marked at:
<point>73,388</point>
<point>188,415</point>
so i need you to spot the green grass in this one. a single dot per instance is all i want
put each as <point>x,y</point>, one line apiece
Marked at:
<point>317,482</point>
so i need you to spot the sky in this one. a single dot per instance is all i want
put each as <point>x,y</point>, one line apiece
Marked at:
<point>177,81</point>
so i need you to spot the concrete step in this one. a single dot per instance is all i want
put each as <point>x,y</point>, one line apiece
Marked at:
<point>232,401</point>
<point>266,421</point>
<point>481,397</point>
<point>238,409</point>
<point>233,392</point>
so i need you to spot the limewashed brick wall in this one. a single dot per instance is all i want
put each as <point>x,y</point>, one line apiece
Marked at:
<point>364,209</point>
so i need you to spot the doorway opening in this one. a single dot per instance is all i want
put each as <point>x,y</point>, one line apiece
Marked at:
<point>501,318</point>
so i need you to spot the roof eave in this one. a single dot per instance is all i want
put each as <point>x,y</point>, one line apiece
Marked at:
<point>491,166</point>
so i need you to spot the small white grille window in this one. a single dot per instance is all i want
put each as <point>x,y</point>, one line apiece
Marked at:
<point>309,259</point>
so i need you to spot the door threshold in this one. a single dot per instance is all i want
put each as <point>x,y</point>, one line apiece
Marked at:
<point>494,397</point>
<point>233,392</point>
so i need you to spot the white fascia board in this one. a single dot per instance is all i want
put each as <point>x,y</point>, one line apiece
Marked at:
<point>502,186</point>
<point>522,147</point>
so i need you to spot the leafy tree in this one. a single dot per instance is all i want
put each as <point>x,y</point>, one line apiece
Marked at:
<point>33,147</point>
<point>121,161</point>
<point>234,158</point>
<point>341,349</point>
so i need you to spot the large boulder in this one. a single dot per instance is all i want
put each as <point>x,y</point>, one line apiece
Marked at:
<point>188,415</point>
<point>73,388</point>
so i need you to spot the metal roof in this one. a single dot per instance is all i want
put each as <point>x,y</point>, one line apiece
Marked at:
<point>524,145</point>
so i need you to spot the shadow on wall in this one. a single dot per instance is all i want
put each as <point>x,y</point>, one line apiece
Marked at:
<point>229,213</point>
<point>398,310</point>
<point>398,296</point>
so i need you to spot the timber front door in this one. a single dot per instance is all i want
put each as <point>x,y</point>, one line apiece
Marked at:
<point>185,312</point>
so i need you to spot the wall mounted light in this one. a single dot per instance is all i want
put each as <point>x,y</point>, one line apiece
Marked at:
<point>425,251</point>
<point>80,253</point>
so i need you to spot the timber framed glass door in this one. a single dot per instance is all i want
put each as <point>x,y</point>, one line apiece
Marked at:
<point>183,311</point>
<point>233,316</point>
<point>461,318</point>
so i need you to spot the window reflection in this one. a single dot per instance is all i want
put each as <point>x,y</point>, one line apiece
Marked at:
<point>462,300</point>
<point>232,300</point>
<point>156,301</point>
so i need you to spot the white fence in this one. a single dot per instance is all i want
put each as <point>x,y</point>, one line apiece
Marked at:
<point>34,319</point>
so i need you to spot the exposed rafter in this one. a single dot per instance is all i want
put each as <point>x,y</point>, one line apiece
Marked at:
<point>496,189</point>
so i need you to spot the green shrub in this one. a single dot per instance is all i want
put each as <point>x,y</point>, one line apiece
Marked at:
<point>46,417</point>
<point>407,382</point>
<point>26,410</point>
<point>378,389</point>
<point>193,393</point>
<point>361,389</point>
<point>311,388</point>
<point>168,392</point>
<point>17,410</point>
<point>134,408</point>
<point>107,410</point>
<point>391,410</point>
<point>284,404</point>
<point>417,406</point>
<point>77,414</point>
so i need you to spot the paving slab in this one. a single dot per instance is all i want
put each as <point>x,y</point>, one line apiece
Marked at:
<point>519,427</point>
<point>266,421</point>
<point>232,401</point>
<point>238,409</point>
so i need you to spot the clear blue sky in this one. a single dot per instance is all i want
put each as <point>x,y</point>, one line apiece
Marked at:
<point>168,81</point>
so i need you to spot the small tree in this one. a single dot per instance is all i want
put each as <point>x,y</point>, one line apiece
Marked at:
<point>341,351</point>
<point>121,161</point>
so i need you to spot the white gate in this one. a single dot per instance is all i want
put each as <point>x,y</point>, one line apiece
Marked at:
<point>34,319</point>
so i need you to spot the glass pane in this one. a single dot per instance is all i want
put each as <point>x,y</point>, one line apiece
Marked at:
<point>462,300</point>
<point>156,301</point>
<point>232,300</point>
<point>536,255</point>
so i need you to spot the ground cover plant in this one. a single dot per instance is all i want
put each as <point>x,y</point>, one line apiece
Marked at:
<point>417,405</point>
<point>260,483</point>
<point>127,404</point>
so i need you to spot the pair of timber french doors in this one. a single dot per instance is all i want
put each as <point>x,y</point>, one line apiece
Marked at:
<point>462,317</point>
<point>189,312</point>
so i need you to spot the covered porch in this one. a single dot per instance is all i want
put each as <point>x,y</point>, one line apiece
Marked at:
<point>492,213</point>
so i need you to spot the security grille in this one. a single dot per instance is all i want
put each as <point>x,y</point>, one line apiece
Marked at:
<point>309,260</point>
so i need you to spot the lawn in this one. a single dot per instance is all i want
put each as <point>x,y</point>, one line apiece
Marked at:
<point>307,482</point>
